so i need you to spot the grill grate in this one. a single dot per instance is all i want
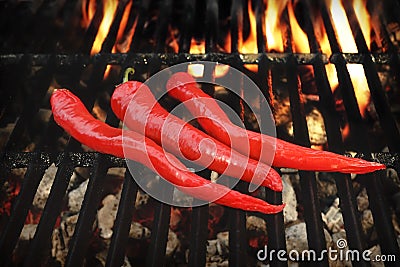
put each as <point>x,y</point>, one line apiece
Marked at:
<point>75,64</point>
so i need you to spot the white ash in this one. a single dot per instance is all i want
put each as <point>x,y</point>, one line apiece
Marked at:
<point>289,197</point>
<point>333,218</point>
<point>75,197</point>
<point>106,215</point>
<point>138,231</point>
<point>44,188</point>
<point>172,244</point>
<point>28,232</point>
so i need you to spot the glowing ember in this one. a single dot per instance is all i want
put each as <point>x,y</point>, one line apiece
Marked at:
<point>272,25</point>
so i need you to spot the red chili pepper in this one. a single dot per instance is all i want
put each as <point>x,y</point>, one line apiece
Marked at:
<point>70,113</point>
<point>215,122</point>
<point>134,103</point>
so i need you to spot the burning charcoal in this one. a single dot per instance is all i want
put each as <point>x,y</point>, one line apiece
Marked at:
<point>75,197</point>
<point>333,218</point>
<point>28,232</point>
<point>138,231</point>
<point>289,197</point>
<point>254,223</point>
<point>172,243</point>
<point>327,190</point>
<point>367,221</point>
<point>316,127</point>
<point>141,199</point>
<point>43,190</point>
<point>257,232</point>
<point>223,243</point>
<point>102,258</point>
<point>211,248</point>
<point>340,238</point>
<point>376,250</point>
<point>106,215</point>
<point>296,238</point>
<point>61,237</point>
<point>362,200</point>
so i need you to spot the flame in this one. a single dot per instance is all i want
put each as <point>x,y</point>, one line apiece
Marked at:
<point>363,17</point>
<point>272,25</point>
<point>88,9</point>
<point>109,8</point>
<point>122,27</point>
<point>299,37</point>
<point>197,47</point>
<point>348,45</point>
<point>326,49</point>
<point>249,46</point>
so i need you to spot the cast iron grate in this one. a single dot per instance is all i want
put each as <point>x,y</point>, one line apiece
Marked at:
<point>20,64</point>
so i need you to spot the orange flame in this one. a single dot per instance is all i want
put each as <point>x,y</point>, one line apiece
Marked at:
<point>363,17</point>
<point>299,37</point>
<point>249,46</point>
<point>348,45</point>
<point>88,9</point>
<point>120,45</point>
<point>197,47</point>
<point>272,24</point>
<point>109,8</point>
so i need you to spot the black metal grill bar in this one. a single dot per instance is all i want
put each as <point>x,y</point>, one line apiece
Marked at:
<point>200,215</point>
<point>237,218</point>
<point>275,222</point>
<point>162,214</point>
<point>344,185</point>
<point>372,182</point>
<point>172,58</point>
<point>81,237</point>
<point>315,230</point>
<point>123,221</point>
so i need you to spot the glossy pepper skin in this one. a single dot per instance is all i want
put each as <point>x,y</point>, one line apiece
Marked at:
<point>134,103</point>
<point>215,122</point>
<point>70,113</point>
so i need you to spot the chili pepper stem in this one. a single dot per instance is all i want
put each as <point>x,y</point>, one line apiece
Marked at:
<point>128,71</point>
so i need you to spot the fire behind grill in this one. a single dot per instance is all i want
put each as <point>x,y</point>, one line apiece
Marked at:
<point>31,63</point>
